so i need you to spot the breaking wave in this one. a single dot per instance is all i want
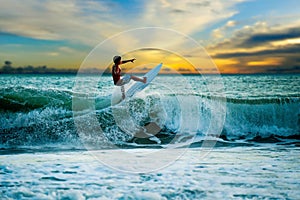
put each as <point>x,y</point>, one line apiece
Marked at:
<point>33,117</point>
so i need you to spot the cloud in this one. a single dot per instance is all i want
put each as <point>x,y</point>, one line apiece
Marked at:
<point>291,49</point>
<point>52,53</point>
<point>266,61</point>
<point>181,69</point>
<point>200,4</point>
<point>261,46</point>
<point>90,22</point>
<point>75,21</point>
<point>187,16</point>
<point>66,49</point>
<point>178,11</point>
<point>230,23</point>
<point>294,69</point>
<point>261,38</point>
<point>239,36</point>
<point>219,32</point>
<point>258,35</point>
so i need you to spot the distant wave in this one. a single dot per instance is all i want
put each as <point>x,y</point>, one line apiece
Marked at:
<point>42,117</point>
<point>26,99</point>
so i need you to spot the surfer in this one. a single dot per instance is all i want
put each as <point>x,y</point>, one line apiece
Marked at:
<point>116,74</point>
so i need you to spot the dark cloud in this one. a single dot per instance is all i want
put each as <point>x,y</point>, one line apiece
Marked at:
<point>286,54</point>
<point>293,69</point>
<point>290,49</point>
<point>149,49</point>
<point>262,38</point>
<point>146,69</point>
<point>166,69</point>
<point>188,56</point>
<point>290,62</point>
<point>178,11</point>
<point>250,37</point>
<point>200,4</point>
<point>184,69</point>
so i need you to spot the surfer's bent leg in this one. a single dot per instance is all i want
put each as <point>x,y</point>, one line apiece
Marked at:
<point>135,78</point>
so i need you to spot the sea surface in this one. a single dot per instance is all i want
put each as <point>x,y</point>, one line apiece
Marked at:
<point>183,137</point>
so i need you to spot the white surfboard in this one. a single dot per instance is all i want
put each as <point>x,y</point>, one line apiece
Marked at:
<point>137,86</point>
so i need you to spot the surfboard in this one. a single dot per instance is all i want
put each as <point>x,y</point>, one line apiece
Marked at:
<point>137,86</point>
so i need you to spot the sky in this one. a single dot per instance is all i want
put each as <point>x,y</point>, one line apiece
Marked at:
<point>238,36</point>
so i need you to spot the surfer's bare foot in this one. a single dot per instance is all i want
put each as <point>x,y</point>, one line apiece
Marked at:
<point>145,80</point>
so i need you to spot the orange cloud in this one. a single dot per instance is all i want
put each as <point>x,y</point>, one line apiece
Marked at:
<point>266,62</point>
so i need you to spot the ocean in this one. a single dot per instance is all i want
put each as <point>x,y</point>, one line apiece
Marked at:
<point>183,137</point>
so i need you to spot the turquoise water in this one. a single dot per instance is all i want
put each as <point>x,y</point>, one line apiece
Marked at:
<point>183,137</point>
<point>38,110</point>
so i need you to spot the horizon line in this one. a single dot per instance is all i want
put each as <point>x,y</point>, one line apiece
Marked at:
<point>109,74</point>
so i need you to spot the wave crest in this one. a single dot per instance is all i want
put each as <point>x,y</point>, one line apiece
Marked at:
<point>32,117</point>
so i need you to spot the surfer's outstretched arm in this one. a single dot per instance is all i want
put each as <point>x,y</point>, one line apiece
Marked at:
<point>135,78</point>
<point>126,61</point>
